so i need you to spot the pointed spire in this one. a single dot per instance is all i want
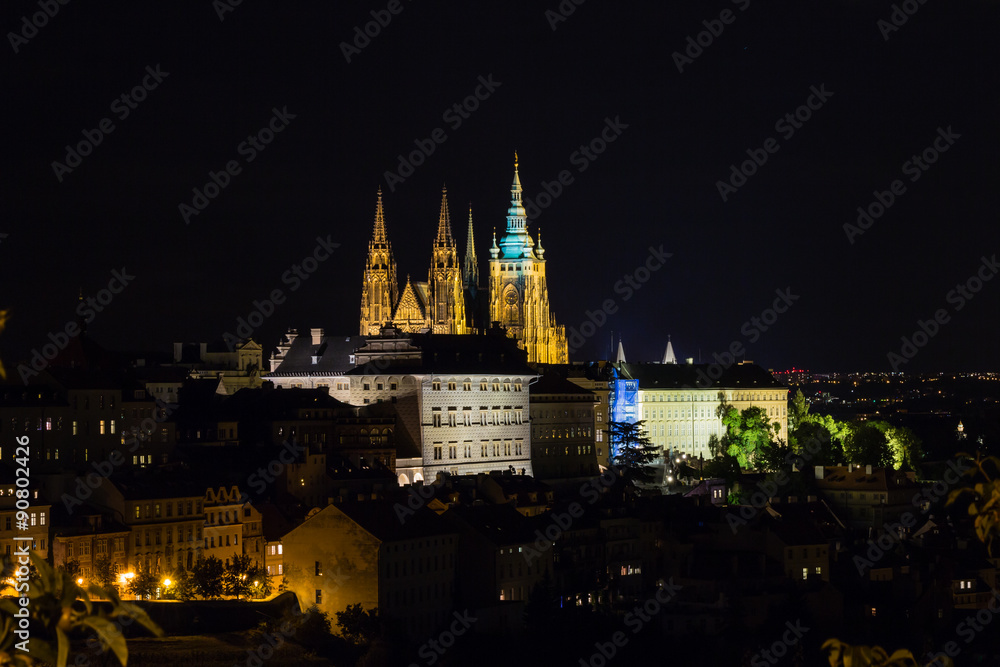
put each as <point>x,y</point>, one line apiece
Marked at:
<point>494,249</point>
<point>516,216</point>
<point>620,357</point>
<point>470,273</point>
<point>539,250</point>
<point>668,355</point>
<point>378,236</point>
<point>444,221</point>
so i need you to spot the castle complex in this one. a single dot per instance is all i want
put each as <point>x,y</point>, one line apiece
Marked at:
<point>451,300</point>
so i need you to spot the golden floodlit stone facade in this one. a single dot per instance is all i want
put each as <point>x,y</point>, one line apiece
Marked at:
<point>449,302</point>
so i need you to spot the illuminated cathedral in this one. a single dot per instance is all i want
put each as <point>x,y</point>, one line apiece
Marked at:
<point>452,299</point>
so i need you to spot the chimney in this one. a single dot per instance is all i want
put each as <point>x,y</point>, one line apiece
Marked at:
<point>868,470</point>
<point>820,472</point>
<point>178,352</point>
<point>317,336</point>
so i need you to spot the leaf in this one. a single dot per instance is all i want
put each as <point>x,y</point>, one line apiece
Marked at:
<point>111,636</point>
<point>139,614</point>
<point>62,648</point>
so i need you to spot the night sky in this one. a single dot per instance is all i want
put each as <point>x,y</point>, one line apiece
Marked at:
<point>553,92</point>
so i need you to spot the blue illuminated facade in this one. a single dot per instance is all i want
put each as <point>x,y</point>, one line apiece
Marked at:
<point>623,401</point>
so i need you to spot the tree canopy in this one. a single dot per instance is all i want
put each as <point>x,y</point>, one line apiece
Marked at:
<point>634,451</point>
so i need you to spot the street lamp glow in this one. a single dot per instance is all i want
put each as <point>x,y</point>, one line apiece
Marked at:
<point>166,582</point>
<point>79,582</point>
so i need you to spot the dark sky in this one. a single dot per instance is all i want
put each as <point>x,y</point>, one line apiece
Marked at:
<point>656,184</point>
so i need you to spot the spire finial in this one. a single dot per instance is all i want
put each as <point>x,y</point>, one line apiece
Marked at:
<point>515,160</point>
<point>378,236</point>
<point>444,221</point>
<point>470,270</point>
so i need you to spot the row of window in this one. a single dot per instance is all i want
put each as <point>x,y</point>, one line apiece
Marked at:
<point>153,536</point>
<point>154,510</point>
<point>493,417</point>
<point>210,541</point>
<point>495,448</point>
<point>710,397</point>
<point>467,385</point>
<point>34,546</point>
<point>559,433</point>
<point>547,414</point>
<point>34,518</point>
<point>222,517</point>
<point>100,547</point>
<point>565,451</point>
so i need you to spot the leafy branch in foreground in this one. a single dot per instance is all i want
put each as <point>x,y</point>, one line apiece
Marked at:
<point>60,609</point>
<point>845,655</point>
<point>985,505</point>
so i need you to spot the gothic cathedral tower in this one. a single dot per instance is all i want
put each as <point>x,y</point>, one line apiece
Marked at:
<point>519,297</point>
<point>380,287</point>
<point>447,301</point>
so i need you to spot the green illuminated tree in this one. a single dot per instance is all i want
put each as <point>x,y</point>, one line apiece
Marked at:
<point>867,444</point>
<point>748,433</point>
